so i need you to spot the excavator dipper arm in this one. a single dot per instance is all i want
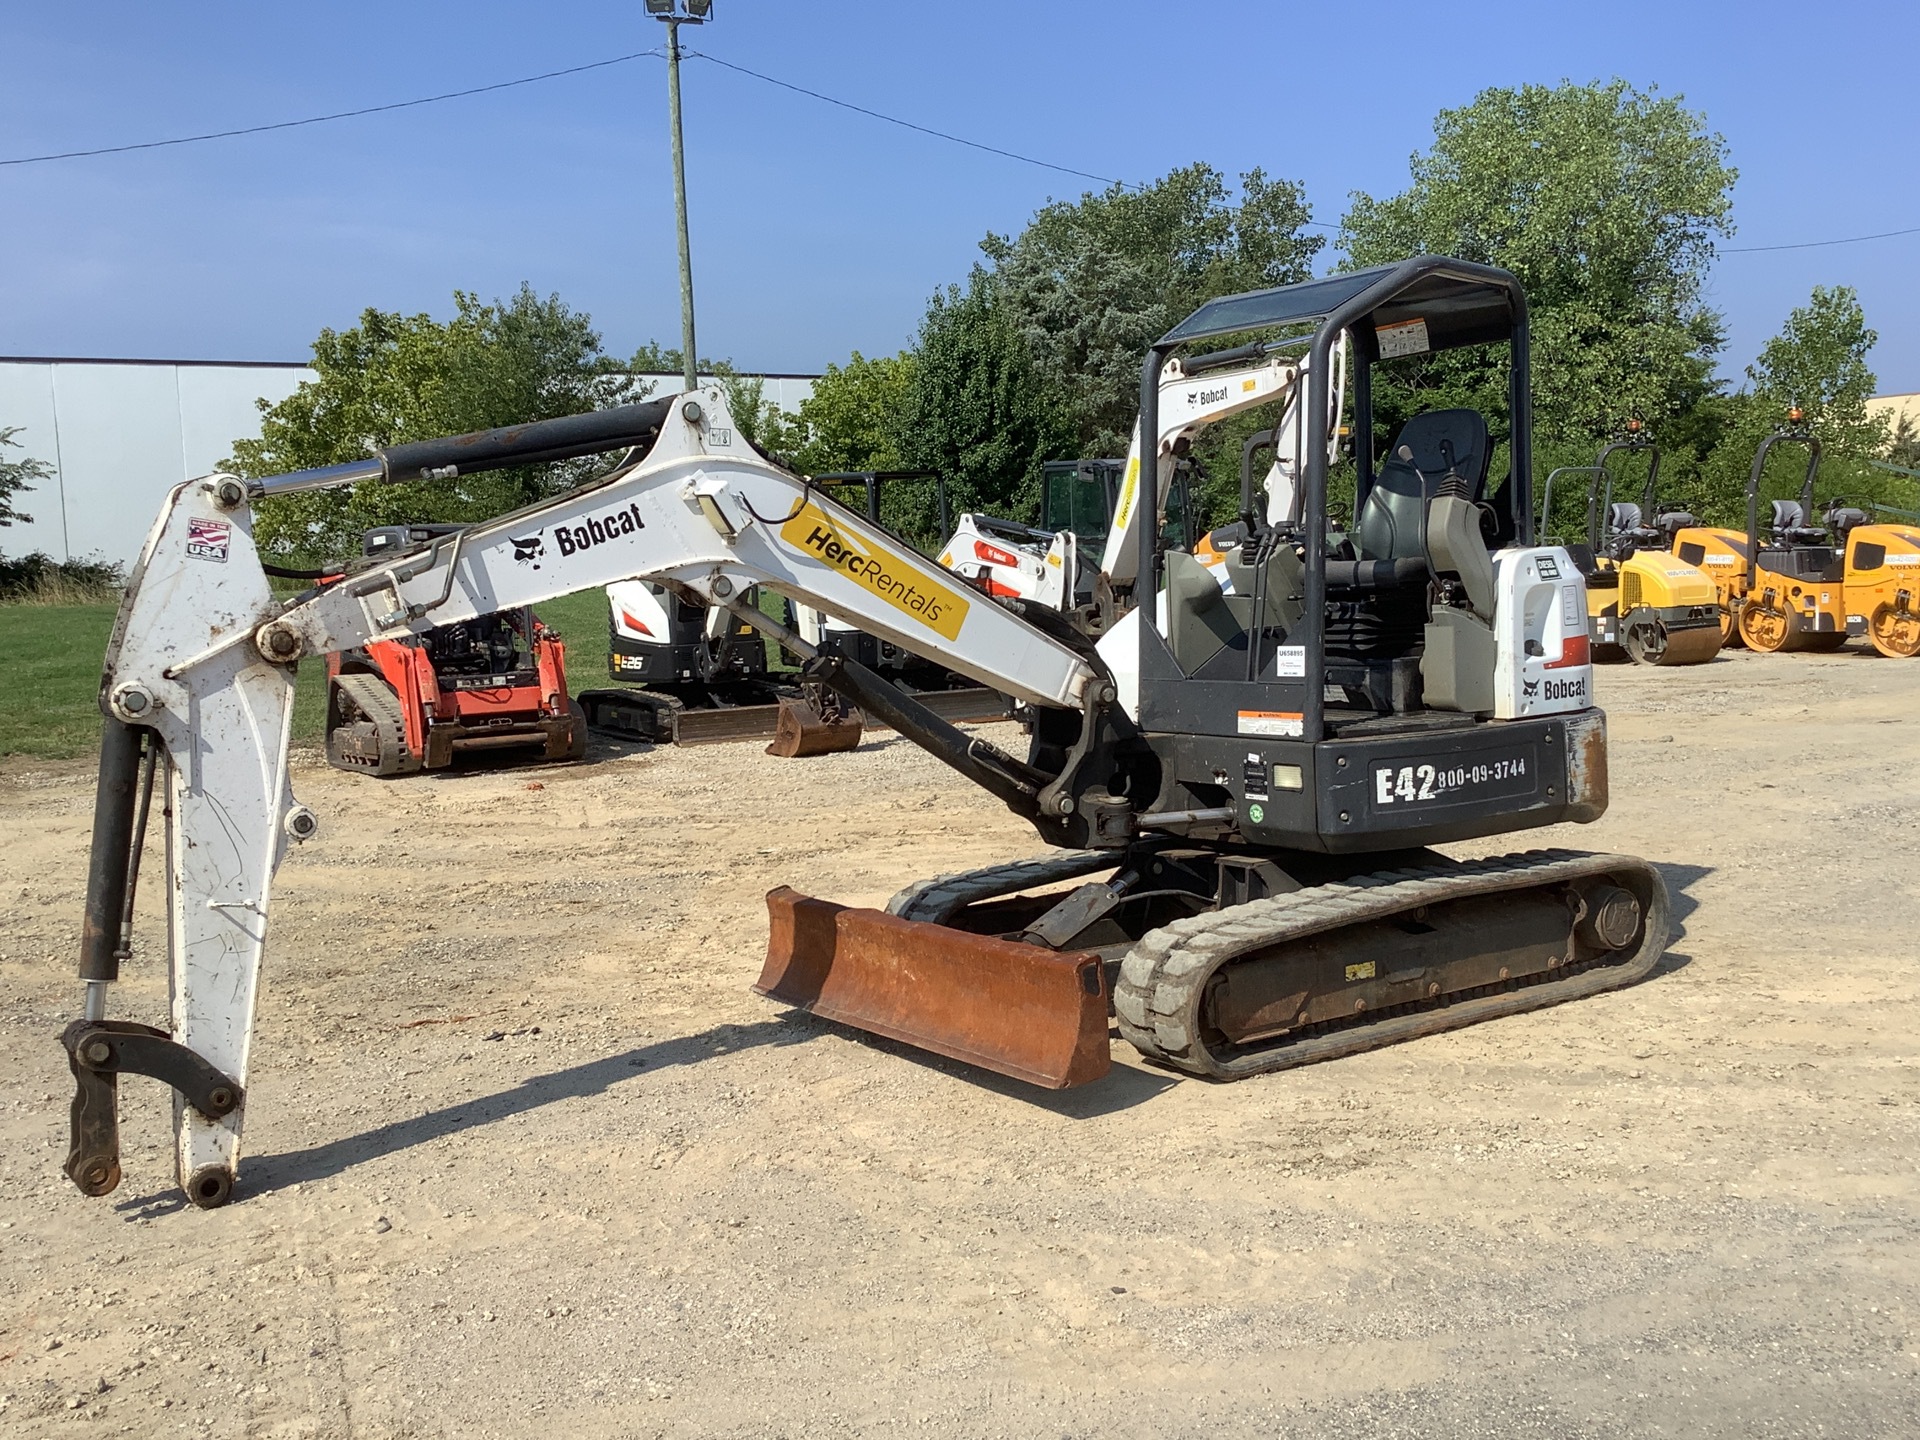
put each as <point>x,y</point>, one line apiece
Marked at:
<point>198,689</point>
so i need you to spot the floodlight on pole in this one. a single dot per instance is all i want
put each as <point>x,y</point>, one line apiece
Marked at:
<point>676,13</point>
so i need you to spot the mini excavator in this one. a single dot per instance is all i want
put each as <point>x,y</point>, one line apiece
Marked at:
<point>1240,792</point>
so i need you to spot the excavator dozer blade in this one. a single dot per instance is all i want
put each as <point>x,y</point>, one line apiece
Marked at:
<point>1037,1015</point>
<point>802,730</point>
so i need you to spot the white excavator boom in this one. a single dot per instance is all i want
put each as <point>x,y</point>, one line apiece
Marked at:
<point>203,656</point>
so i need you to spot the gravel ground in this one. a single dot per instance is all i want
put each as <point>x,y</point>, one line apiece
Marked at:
<point>526,1155</point>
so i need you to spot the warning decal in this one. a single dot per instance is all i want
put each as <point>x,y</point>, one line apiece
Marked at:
<point>1286,724</point>
<point>1409,337</point>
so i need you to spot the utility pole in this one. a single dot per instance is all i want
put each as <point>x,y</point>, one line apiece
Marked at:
<point>677,13</point>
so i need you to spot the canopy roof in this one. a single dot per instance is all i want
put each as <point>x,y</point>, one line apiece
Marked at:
<point>1459,302</point>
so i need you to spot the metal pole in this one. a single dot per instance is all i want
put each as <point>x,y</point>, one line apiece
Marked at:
<point>689,357</point>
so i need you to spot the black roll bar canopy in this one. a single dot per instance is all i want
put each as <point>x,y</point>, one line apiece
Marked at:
<point>1423,304</point>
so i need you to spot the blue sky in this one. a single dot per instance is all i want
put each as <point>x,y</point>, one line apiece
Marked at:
<point>817,231</point>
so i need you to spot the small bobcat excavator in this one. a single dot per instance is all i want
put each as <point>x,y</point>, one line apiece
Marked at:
<point>1055,562</point>
<point>1241,792</point>
<point>1781,584</point>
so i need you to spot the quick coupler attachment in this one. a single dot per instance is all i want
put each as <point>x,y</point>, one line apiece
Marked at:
<point>98,1053</point>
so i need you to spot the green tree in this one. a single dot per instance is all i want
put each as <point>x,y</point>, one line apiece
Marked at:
<point>1089,284</point>
<point>395,378</point>
<point>1903,444</point>
<point>1605,201</point>
<point>1818,365</point>
<point>853,418</point>
<point>974,408</point>
<point>16,476</point>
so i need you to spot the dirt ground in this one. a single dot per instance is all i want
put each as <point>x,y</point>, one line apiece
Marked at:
<point>526,1155</point>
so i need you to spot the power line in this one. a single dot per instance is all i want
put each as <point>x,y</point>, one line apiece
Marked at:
<point>1816,244</point>
<point>937,134</point>
<point>338,115</point>
<point>909,125</point>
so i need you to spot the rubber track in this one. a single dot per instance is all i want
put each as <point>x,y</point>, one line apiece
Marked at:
<point>375,700</point>
<point>1163,979</point>
<point>936,901</point>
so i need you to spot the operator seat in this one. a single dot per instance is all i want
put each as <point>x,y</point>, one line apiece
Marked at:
<point>1378,615</point>
<point>1389,525</point>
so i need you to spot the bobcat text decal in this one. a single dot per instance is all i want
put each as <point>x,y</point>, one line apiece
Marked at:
<point>572,539</point>
<point>934,605</point>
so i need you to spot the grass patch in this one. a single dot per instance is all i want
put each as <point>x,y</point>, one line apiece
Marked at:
<point>49,704</point>
<point>581,621</point>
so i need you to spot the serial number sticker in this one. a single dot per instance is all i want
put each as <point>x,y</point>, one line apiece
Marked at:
<point>1290,662</point>
<point>1288,724</point>
<point>1362,971</point>
<point>1450,782</point>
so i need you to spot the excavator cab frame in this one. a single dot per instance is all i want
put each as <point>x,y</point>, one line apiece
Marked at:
<point>1423,305</point>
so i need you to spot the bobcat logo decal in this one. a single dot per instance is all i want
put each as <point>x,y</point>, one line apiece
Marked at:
<point>530,551</point>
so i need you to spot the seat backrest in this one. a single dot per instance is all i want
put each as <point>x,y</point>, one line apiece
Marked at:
<point>1389,524</point>
<point>1787,515</point>
<point>1623,515</point>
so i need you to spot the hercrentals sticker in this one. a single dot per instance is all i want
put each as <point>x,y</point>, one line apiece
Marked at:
<point>938,607</point>
<point>1129,488</point>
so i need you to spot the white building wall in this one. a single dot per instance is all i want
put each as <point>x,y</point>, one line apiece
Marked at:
<point>118,433</point>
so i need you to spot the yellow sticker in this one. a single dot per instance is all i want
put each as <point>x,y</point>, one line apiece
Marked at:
<point>829,540</point>
<point>1362,971</point>
<point>1247,387</point>
<point>1053,560</point>
<point>1123,512</point>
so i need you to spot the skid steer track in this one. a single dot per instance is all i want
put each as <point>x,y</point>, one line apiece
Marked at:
<point>1161,997</point>
<point>382,729</point>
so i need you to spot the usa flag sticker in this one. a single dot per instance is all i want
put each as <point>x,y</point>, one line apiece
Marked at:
<point>208,539</point>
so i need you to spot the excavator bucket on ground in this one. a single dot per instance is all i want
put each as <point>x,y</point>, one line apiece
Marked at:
<point>819,723</point>
<point>1038,1015</point>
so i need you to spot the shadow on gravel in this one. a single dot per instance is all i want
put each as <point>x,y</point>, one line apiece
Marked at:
<point>1679,878</point>
<point>1122,1088</point>
<point>267,1173</point>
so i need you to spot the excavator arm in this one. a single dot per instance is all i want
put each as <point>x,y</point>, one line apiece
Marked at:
<point>198,688</point>
<point>1198,391</point>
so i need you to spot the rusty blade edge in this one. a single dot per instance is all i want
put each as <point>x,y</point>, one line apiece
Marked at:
<point>846,965</point>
